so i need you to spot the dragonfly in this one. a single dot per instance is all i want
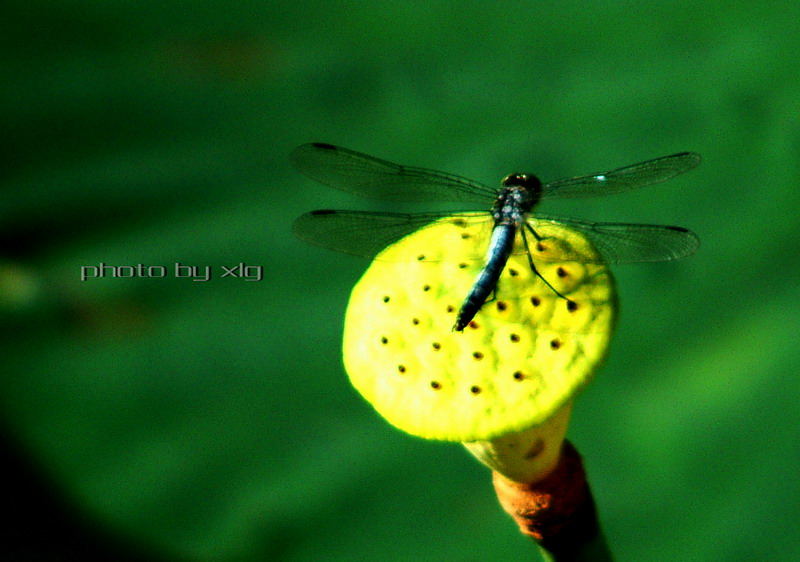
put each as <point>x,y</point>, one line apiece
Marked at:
<point>510,207</point>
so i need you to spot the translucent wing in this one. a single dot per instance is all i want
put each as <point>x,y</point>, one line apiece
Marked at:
<point>623,179</point>
<point>629,243</point>
<point>363,233</point>
<point>372,177</point>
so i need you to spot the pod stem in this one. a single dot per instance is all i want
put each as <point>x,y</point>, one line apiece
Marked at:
<point>558,510</point>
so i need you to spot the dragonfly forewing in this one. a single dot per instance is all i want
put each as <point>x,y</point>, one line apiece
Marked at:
<point>622,179</point>
<point>367,176</point>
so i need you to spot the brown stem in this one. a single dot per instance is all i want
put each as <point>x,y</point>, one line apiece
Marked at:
<point>558,511</point>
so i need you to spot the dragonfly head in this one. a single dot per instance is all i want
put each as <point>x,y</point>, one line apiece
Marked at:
<point>528,187</point>
<point>531,183</point>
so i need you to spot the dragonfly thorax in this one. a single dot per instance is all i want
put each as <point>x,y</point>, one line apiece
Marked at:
<point>518,195</point>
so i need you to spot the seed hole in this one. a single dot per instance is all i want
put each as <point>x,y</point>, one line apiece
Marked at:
<point>421,257</point>
<point>465,235</point>
<point>426,288</point>
<point>512,272</point>
<point>386,299</point>
<point>555,344</point>
<point>540,247</point>
<point>435,385</point>
<point>561,272</point>
<point>462,265</point>
<point>475,389</point>
<point>536,301</point>
<point>518,376</point>
<point>572,306</point>
<point>401,368</point>
<point>501,305</point>
<point>415,321</point>
<point>460,222</point>
<point>515,338</point>
<point>478,355</point>
<point>384,340</point>
<point>437,346</point>
<point>450,308</point>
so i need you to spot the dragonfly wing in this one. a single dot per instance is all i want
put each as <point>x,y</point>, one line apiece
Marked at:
<point>367,176</point>
<point>629,243</point>
<point>364,233</point>
<point>623,179</point>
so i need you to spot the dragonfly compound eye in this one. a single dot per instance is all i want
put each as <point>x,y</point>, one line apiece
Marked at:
<point>531,183</point>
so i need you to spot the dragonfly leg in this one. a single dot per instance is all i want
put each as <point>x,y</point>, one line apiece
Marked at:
<point>533,232</point>
<point>530,260</point>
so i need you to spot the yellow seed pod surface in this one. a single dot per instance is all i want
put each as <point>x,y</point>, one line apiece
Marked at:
<point>526,353</point>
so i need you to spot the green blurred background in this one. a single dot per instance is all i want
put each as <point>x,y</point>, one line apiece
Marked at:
<point>180,420</point>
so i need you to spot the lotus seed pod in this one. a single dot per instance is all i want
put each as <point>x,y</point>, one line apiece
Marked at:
<point>523,357</point>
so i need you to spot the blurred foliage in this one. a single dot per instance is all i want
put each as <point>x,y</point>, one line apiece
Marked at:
<point>212,420</point>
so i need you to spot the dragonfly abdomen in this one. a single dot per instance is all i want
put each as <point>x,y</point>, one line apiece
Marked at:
<point>500,247</point>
